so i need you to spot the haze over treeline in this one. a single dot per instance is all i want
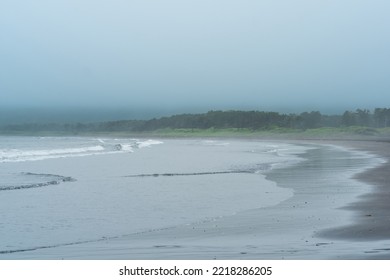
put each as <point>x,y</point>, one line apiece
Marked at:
<point>84,114</point>
<point>252,120</point>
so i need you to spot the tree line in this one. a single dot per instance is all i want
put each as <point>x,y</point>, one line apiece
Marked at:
<point>254,120</point>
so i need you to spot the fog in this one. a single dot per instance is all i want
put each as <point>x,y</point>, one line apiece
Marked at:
<point>146,58</point>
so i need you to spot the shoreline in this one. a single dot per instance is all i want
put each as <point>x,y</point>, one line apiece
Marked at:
<point>253,234</point>
<point>371,210</point>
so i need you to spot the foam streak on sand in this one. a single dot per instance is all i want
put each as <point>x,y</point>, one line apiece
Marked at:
<point>43,181</point>
<point>191,174</point>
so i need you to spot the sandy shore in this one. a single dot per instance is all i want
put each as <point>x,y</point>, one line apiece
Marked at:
<point>323,220</point>
<point>371,210</point>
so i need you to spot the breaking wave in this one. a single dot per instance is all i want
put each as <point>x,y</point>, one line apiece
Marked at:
<point>98,147</point>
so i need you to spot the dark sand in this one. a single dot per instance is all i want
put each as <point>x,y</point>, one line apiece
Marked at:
<point>372,210</point>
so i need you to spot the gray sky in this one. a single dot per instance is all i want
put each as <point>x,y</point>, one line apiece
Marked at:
<point>183,54</point>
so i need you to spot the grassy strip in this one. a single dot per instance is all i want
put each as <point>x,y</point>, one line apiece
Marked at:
<point>317,133</point>
<point>275,132</point>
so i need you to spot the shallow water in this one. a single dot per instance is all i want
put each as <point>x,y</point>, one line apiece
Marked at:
<point>58,191</point>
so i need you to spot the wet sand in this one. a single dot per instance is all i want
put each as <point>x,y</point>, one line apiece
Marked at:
<point>371,210</point>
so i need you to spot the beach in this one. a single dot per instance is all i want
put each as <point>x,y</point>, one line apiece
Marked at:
<point>275,200</point>
<point>371,221</point>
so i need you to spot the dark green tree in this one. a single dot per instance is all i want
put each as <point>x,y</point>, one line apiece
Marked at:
<point>382,117</point>
<point>311,120</point>
<point>363,117</point>
<point>348,118</point>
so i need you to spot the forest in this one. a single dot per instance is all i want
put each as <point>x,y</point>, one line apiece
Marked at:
<point>252,120</point>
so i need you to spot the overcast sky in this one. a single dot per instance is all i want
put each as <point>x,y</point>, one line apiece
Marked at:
<point>180,54</point>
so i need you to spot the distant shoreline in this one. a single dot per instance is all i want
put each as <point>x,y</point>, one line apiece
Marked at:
<point>362,123</point>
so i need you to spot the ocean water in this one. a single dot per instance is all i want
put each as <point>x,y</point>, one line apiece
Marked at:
<point>57,191</point>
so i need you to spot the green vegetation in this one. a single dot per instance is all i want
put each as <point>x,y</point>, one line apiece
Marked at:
<point>277,132</point>
<point>228,123</point>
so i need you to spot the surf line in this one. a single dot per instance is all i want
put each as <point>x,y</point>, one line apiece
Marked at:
<point>192,174</point>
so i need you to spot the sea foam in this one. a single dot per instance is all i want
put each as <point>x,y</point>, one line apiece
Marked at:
<point>104,146</point>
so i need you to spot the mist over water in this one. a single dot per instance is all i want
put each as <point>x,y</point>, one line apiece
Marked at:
<point>75,114</point>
